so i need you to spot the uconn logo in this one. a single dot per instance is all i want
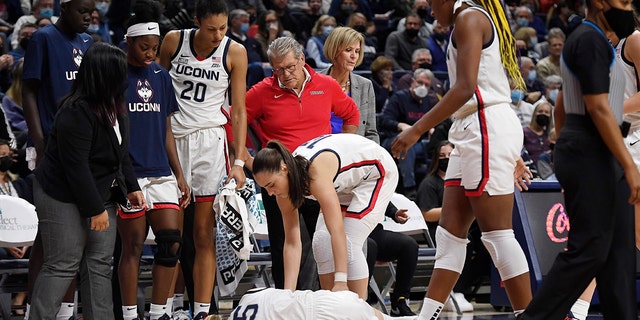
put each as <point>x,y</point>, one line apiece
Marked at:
<point>145,93</point>
<point>77,60</point>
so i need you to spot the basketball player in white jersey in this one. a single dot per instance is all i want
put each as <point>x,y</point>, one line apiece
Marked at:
<point>488,139</point>
<point>277,304</point>
<point>204,64</point>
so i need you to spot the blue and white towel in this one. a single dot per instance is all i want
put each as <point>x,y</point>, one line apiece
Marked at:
<point>236,212</point>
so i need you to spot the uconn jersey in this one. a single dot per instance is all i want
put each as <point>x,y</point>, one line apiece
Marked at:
<point>53,58</point>
<point>150,100</point>
<point>200,85</point>
<point>360,161</point>
<point>493,86</point>
<point>631,86</point>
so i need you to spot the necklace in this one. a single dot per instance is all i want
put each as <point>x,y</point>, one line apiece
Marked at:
<point>345,87</point>
<point>6,189</point>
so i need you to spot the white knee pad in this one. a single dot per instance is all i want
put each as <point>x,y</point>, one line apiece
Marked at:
<point>323,252</point>
<point>357,263</point>
<point>505,252</point>
<point>451,251</point>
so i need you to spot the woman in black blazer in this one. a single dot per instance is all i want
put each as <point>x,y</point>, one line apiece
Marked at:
<point>86,168</point>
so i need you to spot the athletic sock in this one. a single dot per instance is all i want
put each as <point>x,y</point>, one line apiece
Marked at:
<point>169,306</point>
<point>130,312</point>
<point>156,311</point>
<point>66,311</point>
<point>27,311</point>
<point>201,307</point>
<point>430,309</point>
<point>580,309</point>
<point>178,301</point>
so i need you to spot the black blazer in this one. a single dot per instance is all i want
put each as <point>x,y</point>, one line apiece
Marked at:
<point>83,158</point>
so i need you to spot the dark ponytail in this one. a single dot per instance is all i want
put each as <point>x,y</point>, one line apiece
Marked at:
<point>269,160</point>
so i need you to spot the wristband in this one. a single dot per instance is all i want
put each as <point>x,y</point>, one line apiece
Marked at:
<point>340,277</point>
<point>238,162</point>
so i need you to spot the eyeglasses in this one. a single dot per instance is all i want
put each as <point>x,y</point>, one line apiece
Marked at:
<point>289,69</point>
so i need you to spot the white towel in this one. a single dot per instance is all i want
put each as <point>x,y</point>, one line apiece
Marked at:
<point>236,212</point>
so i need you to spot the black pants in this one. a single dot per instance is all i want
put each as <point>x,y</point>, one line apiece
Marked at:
<point>601,240</point>
<point>384,245</point>
<point>309,211</point>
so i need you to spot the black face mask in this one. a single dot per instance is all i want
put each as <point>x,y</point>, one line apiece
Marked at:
<point>443,164</point>
<point>422,13</point>
<point>360,28</point>
<point>621,21</point>
<point>411,33</point>
<point>440,36</point>
<point>5,163</point>
<point>24,42</point>
<point>542,120</point>
<point>425,65</point>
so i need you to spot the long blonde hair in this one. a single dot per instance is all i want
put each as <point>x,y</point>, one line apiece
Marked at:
<point>15,90</point>
<point>507,41</point>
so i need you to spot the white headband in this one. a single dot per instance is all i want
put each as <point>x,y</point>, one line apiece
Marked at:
<point>63,1</point>
<point>143,29</point>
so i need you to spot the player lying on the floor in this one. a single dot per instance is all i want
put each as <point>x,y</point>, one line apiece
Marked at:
<point>274,304</point>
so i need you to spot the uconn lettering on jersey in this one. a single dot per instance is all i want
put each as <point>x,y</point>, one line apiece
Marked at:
<point>197,72</point>
<point>145,93</point>
<point>77,59</point>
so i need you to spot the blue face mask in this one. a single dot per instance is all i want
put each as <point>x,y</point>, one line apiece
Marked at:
<point>523,22</point>
<point>244,28</point>
<point>532,75</point>
<point>93,28</point>
<point>102,8</point>
<point>553,95</point>
<point>516,96</point>
<point>326,31</point>
<point>46,13</point>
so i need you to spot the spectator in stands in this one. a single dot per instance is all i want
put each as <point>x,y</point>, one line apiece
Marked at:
<point>404,108</point>
<point>525,17</point>
<point>99,26</point>
<point>563,17</point>
<point>421,8</point>
<point>342,9</point>
<point>24,36</point>
<point>438,42</point>
<point>421,59</point>
<point>536,134</point>
<point>238,27</point>
<point>535,87</point>
<point>401,44</point>
<point>12,105</point>
<point>41,9</point>
<point>553,86</point>
<point>295,86</point>
<point>288,20</point>
<point>14,188</point>
<point>257,5</point>
<point>315,44</point>
<point>43,22</point>
<point>382,80</point>
<point>309,16</point>
<point>269,28</point>
<point>6,67</point>
<point>522,108</point>
<point>72,191</point>
<point>526,41</point>
<point>550,65</point>
<point>385,245</point>
<point>358,22</point>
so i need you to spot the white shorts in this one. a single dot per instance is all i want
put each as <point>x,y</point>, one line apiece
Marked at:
<point>632,141</point>
<point>341,305</point>
<point>158,192</point>
<point>205,161</point>
<point>487,146</point>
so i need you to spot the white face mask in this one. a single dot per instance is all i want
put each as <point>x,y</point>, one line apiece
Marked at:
<point>421,91</point>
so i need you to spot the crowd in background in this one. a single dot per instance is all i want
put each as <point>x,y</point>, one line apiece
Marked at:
<point>403,56</point>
